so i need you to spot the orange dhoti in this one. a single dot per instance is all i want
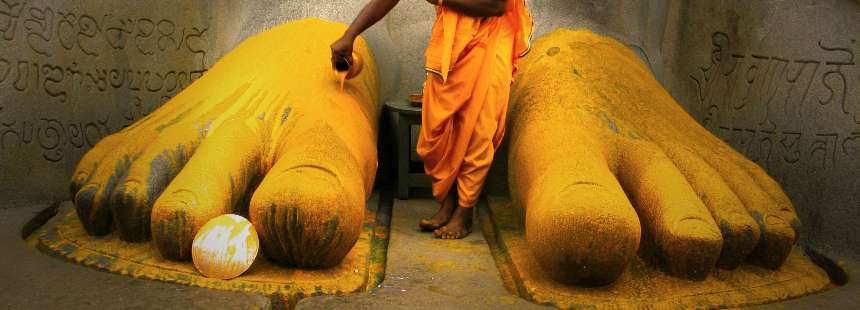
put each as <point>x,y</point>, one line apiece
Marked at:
<point>471,62</point>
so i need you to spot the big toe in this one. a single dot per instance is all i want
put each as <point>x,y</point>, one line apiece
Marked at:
<point>306,215</point>
<point>585,234</point>
<point>213,182</point>
<point>440,232</point>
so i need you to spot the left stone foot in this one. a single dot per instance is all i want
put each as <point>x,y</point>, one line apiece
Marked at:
<point>266,132</point>
<point>458,227</point>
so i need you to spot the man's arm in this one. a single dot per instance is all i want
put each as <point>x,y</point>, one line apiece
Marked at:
<point>476,8</point>
<point>369,15</point>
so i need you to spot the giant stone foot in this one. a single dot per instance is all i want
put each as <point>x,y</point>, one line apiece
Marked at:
<point>265,133</point>
<point>608,166</point>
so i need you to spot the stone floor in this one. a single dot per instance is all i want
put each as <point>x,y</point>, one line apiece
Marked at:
<point>422,273</point>
<point>32,280</point>
<point>843,297</point>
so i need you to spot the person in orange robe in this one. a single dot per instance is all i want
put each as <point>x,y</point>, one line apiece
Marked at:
<point>471,62</point>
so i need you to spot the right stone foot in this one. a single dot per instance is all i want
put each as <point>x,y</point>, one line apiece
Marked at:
<point>608,165</point>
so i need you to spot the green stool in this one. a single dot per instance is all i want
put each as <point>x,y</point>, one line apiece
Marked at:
<point>406,117</point>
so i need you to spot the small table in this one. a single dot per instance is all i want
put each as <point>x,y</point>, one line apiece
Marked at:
<point>407,116</point>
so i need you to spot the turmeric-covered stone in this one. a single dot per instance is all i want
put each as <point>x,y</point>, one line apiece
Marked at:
<point>266,133</point>
<point>608,166</point>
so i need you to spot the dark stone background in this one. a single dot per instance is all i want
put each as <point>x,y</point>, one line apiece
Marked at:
<point>778,80</point>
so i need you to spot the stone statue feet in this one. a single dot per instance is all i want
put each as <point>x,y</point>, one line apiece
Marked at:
<point>608,166</point>
<point>265,133</point>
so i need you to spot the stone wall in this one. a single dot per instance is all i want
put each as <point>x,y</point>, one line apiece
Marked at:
<point>777,79</point>
<point>72,72</point>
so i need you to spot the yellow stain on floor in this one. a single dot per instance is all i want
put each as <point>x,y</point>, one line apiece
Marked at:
<point>65,237</point>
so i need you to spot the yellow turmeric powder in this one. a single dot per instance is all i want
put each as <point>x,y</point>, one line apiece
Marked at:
<point>602,157</point>
<point>268,131</point>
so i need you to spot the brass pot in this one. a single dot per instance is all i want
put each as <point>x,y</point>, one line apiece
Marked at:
<point>351,67</point>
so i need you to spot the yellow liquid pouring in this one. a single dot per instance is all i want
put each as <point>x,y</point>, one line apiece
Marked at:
<point>341,76</point>
<point>345,70</point>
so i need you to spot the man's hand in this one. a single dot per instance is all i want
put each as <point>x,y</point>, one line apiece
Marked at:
<point>369,15</point>
<point>342,49</point>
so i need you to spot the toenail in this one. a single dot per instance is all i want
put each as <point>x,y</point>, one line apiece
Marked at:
<point>86,195</point>
<point>694,226</point>
<point>183,198</point>
<point>775,221</point>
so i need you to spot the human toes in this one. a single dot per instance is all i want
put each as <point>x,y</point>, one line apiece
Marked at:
<point>440,232</point>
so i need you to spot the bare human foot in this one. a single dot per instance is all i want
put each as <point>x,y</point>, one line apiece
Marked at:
<point>458,227</point>
<point>442,216</point>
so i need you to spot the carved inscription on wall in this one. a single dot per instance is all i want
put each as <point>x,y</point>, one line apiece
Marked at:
<point>800,112</point>
<point>70,76</point>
